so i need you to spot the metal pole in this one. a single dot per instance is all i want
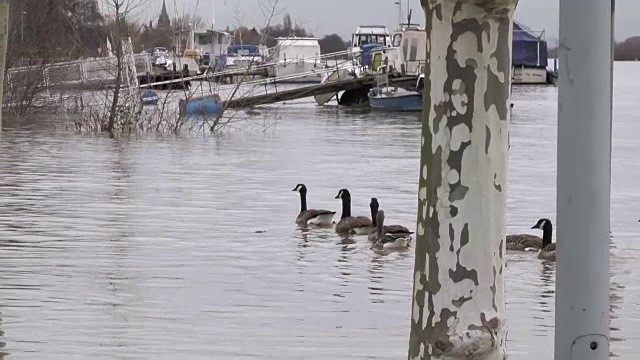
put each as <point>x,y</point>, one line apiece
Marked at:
<point>408,10</point>
<point>458,306</point>
<point>584,179</point>
<point>213,14</point>
<point>22,26</point>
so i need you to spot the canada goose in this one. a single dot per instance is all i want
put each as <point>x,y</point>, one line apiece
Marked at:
<point>359,225</point>
<point>388,241</point>
<point>526,242</point>
<point>548,251</point>
<point>306,216</point>
<point>387,229</point>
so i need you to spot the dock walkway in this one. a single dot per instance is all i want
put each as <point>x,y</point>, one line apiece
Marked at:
<point>365,82</point>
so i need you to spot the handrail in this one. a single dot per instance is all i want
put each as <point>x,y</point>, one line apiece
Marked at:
<point>253,82</point>
<point>354,53</point>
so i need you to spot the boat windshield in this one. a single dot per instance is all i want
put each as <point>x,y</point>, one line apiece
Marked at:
<point>243,50</point>
<point>397,39</point>
<point>371,39</point>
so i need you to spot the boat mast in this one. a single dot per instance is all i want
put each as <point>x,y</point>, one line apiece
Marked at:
<point>213,14</point>
<point>399,3</point>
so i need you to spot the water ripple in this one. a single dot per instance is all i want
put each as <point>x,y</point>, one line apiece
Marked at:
<point>157,248</point>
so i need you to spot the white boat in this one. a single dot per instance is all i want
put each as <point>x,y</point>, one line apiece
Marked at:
<point>410,42</point>
<point>296,55</point>
<point>529,56</point>
<point>211,44</point>
<point>523,75</point>
<point>406,55</point>
<point>240,57</point>
<point>370,34</point>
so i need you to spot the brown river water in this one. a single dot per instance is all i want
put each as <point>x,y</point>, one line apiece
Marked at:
<point>185,246</point>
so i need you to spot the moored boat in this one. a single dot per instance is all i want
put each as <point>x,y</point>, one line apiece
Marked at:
<point>240,57</point>
<point>370,34</point>
<point>395,99</point>
<point>296,59</point>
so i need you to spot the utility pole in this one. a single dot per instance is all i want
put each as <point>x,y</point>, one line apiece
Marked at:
<point>458,306</point>
<point>584,179</point>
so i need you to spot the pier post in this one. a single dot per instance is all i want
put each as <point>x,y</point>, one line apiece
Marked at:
<point>584,179</point>
<point>458,291</point>
<point>5,6</point>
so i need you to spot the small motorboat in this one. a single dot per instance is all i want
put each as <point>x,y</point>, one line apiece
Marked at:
<point>392,98</point>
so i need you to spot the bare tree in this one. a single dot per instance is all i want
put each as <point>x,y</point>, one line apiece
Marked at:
<point>270,9</point>
<point>287,23</point>
<point>114,103</point>
<point>125,109</point>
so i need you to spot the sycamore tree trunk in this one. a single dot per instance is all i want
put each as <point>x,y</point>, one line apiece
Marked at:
<point>4,38</point>
<point>458,293</point>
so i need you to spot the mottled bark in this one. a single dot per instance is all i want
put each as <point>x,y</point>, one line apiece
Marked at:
<point>458,293</point>
<point>4,35</point>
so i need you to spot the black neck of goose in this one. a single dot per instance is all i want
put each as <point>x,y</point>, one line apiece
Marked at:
<point>303,201</point>
<point>346,207</point>
<point>547,232</point>
<point>379,227</point>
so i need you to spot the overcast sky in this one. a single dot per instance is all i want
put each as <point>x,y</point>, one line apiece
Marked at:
<point>342,16</point>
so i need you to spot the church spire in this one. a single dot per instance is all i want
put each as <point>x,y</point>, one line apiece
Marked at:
<point>163,20</point>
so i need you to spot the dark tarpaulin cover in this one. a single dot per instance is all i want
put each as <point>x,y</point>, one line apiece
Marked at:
<point>525,47</point>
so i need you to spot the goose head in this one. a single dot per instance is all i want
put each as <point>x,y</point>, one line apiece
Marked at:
<point>542,224</point>
<point>343,194</point>
<point>301,188</point>
<point>374,205</point>
<point>380,218</point>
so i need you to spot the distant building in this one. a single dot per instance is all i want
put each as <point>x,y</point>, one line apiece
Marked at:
<point>164,22</point>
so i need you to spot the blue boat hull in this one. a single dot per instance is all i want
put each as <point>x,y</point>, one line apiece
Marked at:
<point>404,102</point>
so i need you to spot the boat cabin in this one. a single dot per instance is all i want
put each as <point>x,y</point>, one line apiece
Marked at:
<point>241,56</point>
<point>212,42</point>
<point>289,49</point>
<point>412,47</point>
<point>370,34</point>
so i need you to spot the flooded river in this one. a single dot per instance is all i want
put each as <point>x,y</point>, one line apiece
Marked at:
<point>159,248</point>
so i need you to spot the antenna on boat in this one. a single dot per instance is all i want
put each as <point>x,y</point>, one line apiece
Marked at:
<point>399,3</point>
<point>408,24</point>
<point>213,14</point>
<point>409,9</point>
